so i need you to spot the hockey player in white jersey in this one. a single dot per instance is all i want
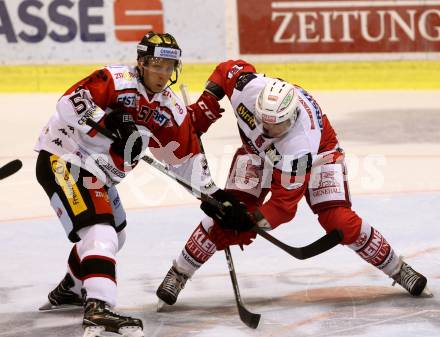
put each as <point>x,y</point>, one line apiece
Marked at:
<point>289,149</point>
<point>79,168</point>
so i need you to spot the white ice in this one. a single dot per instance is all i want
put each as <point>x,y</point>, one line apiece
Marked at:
<point>392,142</point>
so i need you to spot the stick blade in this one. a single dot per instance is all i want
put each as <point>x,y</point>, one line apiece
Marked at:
<point>249,318</point>
<point>322,245</point>
<point>10,168</point>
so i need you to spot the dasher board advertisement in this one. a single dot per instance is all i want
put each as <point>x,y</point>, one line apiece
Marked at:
<point>87,31</point>
<point>331,27</point>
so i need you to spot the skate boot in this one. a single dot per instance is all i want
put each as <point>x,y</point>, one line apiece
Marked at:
<point>99,318</point>
<point>412,281</point>
<point>62,297</point>
<point>171,286</point>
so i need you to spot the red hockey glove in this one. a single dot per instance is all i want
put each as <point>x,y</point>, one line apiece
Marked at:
<point>223,238</point>
<point>204,112</point>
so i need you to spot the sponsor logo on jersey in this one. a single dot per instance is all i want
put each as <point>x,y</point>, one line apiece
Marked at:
<point>126,75</point>
<point>89,114</point>
<point>246,116</point>
<point>180,110</point>
<point>68,185</point>
<point>161,117</point>
<point>101,201</point>
<point>116,202</point>
<point>127,100</point>
<point>328,184</point>
<point>309,112</point>
<point>315,105</point>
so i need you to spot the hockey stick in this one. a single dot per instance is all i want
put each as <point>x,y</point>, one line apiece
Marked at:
<point>317,247</point>
<point>10,168</point>
<point>249,318</point>
<point>321,245</point>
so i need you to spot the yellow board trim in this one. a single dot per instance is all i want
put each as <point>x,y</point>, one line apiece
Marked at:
<point>378,75</point>
<point>68,185</point>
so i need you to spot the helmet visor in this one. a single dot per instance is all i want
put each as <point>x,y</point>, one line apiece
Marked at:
<point>160,65</point>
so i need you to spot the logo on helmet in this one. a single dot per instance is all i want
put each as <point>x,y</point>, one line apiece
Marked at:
<point>286,101</point>
<point>268,119</point>
<point>168,53</point>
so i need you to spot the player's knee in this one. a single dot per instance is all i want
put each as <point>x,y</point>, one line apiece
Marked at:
<point>344,219</point>
<point>100,239</point>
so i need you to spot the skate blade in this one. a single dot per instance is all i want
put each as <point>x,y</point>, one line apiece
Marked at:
<point>160,305</point>
<point>50,307</point>
<point>427,292</point>
<point>93,331</point>
<point>131,331</point>
<point>126,331</point>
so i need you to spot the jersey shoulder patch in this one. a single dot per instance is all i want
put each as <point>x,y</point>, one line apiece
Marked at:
<point>243,80</point>
<point>124,77</point>
<point>245,115</point>
<point>174,103</point>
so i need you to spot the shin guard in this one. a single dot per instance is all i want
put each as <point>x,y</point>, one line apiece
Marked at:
<point>198,249</point>
<point>375,249</point>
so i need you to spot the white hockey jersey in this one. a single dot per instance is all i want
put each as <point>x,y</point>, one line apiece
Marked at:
<point>287,160</point>
<point>161,119</point>
<point>301,142</point>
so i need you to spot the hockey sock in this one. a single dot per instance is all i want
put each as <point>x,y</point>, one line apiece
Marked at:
<point>97,250</point>
<point>74,270</point>
<point>198,249</point>
<point>375,249</point>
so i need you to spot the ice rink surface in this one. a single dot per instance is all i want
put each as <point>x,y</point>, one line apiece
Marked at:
<point>393,153</point>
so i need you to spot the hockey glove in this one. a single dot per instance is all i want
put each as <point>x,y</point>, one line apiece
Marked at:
<point>121,123</point>
<point>204,112</point>
<point>223,238</point>
<point>232,215</point>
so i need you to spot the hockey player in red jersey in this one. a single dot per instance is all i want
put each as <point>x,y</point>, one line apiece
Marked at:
<point>290,149</point>
<point>80,168</point>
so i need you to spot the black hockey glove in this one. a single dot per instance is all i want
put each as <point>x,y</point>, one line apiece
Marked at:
<point>233,215</point>
<point>121,123</point>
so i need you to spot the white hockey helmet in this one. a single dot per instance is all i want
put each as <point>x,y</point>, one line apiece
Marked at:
<point>277,102</point>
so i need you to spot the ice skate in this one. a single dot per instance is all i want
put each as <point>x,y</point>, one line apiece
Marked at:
<point>412,281</point>
<point>62,297</point>
<point>98,318</point>
<point>170,287</point>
